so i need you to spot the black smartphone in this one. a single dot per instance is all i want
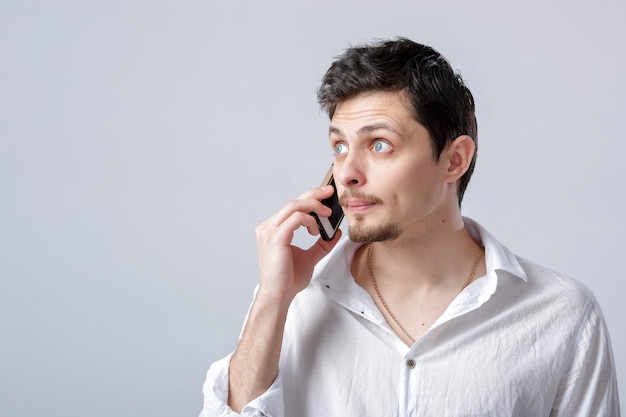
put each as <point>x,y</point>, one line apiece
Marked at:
<point>329,225</point>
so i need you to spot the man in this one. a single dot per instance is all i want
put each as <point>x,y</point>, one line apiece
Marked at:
<point>421,312</point>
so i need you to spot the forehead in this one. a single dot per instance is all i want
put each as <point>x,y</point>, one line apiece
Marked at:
<point>374,110</point>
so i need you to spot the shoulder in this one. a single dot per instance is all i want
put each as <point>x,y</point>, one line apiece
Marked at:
<point>563,292</point>
<point>546,277</point>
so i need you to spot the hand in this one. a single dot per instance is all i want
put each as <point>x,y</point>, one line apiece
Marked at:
<point>285,269</point>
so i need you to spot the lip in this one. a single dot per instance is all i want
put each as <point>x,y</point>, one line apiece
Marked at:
<point>359,206</point>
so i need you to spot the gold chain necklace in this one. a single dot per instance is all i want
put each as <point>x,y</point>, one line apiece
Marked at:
<point>469,280</point>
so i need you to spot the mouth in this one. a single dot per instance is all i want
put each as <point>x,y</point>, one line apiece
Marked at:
<point>358,203</point>
<point>358,206</point>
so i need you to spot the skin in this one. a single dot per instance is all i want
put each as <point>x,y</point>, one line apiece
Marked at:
<point>388,180</point>
<point>284,270</point>
<point>386,174</point>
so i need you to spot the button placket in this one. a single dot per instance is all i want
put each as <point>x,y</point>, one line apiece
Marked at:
<point>409,384</point>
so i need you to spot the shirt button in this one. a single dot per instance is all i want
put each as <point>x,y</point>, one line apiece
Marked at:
<point>410,364</point>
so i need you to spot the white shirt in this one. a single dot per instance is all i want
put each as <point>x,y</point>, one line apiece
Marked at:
<point>520,341</point>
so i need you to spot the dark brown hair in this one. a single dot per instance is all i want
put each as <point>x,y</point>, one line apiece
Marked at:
<point>441,101</point>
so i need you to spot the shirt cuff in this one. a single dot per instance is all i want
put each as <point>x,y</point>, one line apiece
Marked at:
<point>215,390</point>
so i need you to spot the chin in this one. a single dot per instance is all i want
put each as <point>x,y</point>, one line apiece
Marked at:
<point>360,233</point>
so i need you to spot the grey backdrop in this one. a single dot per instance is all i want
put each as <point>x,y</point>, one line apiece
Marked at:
<point>142,141</point>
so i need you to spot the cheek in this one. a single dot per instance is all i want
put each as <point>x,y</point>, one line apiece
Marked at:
<point>339,188</point>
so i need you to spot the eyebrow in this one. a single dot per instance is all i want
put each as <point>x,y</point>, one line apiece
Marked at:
<point>366,129</point>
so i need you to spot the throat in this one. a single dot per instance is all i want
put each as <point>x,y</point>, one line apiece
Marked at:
<point>410,315</point>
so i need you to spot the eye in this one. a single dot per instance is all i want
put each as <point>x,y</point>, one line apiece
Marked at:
<point>340,148</point>
<point>381,146</point>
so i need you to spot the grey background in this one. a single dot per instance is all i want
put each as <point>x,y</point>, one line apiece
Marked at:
<point>142,141</point>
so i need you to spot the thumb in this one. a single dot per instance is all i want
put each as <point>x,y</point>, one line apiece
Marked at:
<point>322,247</point>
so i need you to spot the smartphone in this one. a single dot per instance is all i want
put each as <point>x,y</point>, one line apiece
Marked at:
<point>329,225</point>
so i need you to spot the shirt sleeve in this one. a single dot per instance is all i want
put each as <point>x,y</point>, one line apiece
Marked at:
<point>215,390</point>
<point>589,385</point>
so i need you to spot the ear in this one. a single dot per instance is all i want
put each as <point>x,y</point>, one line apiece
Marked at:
<point>459,154</point>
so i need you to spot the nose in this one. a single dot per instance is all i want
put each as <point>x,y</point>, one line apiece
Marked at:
<point>350,171</point>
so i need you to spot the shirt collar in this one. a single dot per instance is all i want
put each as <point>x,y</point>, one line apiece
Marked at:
<point>499,262</point>
<point>333,275</point>
<point>497,256</point>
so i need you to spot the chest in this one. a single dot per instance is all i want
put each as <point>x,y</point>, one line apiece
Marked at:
<point>342,363</point>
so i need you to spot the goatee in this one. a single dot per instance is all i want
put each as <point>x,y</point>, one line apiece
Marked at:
<point>363,234</point>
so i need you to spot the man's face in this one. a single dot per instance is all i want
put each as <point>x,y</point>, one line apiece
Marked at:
<point>386,176</point>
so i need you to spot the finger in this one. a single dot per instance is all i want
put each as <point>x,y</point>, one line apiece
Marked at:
<point>306,203</point>
<point>298,220</point>
<point>284,231</point>
<point>322,247</point>
<point>314,228</point>
<point>318,193</point>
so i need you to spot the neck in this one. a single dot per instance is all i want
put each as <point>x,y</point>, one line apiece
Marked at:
<point>426,256</point>
<point>413,278</point>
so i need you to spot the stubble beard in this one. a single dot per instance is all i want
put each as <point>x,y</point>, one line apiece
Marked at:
<point>360,233</point>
